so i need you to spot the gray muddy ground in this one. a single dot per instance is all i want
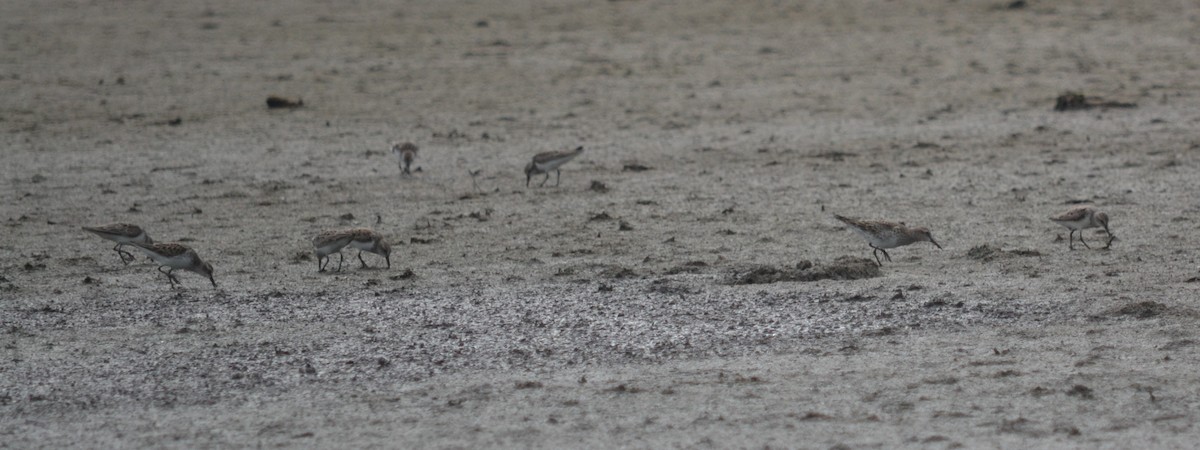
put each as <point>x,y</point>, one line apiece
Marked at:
<point>608,311</point>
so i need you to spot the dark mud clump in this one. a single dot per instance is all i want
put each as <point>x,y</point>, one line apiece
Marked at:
<point>1141,310</point>
<point>618,272</point>
<point>843,268</point>
<point>1082,392</point>
<point>984,252</point>
<point>277,102</point>
<point>1074,101</point>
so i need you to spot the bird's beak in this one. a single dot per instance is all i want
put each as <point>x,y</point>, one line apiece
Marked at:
<point>528,176</point>
<point>211,280</point>
<point>939,246</point>
<point>388,258</point>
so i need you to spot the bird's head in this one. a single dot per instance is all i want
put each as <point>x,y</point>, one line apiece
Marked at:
<point>923,234</point>
<point>207,269</point>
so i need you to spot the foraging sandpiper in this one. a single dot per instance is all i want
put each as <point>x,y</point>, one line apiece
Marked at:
<point>177,256</point>
<point>333,241</point>
<point>367,240</point>
<point>881,235</point>
<point>545,162</point>
<point>122,234</point>
<point>407,152</point>
<point>1080,218</point>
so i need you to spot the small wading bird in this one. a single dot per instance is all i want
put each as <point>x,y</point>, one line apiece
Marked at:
<point>333,241</point>
<point>881,235</point>
<point>122,234</point>
<point>1081,218</point>
<point>407,152</point>
<point>545,162</point>
<point>177,256</point>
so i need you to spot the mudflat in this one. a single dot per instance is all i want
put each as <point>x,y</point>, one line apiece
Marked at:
<point>686,284</point>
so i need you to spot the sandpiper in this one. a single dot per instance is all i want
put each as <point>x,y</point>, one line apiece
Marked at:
<point>545,162</point>
<point>881,235</point>
<point>1080,218</point>
<point>407,152</point>
<point>177,256</point>
<point>367,240</point>
<point>329,242</point>
<point>122,234</point>
<point>333,241</point>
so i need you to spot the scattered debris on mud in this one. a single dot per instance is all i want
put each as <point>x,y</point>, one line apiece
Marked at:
<point>617,272</point>
<point>986,253</point>
<point>843,268</point>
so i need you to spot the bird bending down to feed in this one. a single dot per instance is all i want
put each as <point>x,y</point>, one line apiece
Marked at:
<point>882,235</point>
<point>177,256</point>
<point>543,163</point>
<point>407,152</point>
<point>122,234</point>
<point>1080,218</point>
<point>365,240</point>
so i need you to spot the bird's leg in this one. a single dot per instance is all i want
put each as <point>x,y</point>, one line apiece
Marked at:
<point>170,278</point>
<point>875,253</point>
<point>321,268</point>
<point>123,254</point>
<point>360,260</point>
<point>886,255</point>
<point>1081,241</point>
<point>341,258</point>
<point>1071,240</point>
<point>557,177</point>
<point>544,180</point>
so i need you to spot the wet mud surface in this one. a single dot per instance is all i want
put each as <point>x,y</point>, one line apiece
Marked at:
<point>686,285</point>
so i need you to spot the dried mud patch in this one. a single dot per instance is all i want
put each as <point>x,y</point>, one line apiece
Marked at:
<point>843,268</point>
<point>1148,309</point>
